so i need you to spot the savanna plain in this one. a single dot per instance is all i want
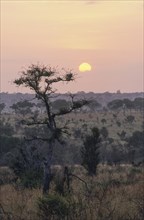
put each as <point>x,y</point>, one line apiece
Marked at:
<point>116,192</point>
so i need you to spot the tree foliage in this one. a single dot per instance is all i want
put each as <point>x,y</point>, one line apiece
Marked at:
<point>137,104</point>
<point>136,143</point>
<point>94,105</point>
<point>115,104</point>
<point>41,80</point>
<point>130,119</point>
<point>22,107</point>
<point>2,107</point>
<point>137,139</point>
<point>6,129</point>
<point>27,166</point>
<point>104,132</point>
<point>90,151</point>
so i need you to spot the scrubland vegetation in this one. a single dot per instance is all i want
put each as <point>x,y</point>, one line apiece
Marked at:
<point>122,140</point>
<point>71,160</point>
<point>115,193</point>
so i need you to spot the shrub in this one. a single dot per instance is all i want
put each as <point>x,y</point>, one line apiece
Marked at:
<point>27,166</point>
<point>90,151</point>
<point>51,206</point>
<point>6,175</point>
<point>130,119</point>
<point>31,179</point>
<point>104,132</point>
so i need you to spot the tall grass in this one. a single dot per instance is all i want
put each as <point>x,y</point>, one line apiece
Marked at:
<point>116,193</point>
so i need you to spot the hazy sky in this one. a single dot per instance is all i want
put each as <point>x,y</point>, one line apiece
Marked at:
<point>106,34</point>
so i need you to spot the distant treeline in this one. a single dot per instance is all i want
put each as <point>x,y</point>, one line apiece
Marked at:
<point>102,101</point>
<point>102,98</point>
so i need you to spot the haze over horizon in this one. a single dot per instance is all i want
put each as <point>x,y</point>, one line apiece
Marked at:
<point>106,34</point>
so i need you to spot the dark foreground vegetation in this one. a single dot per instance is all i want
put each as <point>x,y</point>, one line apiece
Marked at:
<point>116,193</point>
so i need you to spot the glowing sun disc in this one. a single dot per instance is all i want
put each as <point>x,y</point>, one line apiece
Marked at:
<point>85,67</point>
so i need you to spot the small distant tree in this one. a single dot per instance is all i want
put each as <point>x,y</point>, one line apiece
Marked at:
<point>90,151</point>
<point>115,104</point>
<point>118,91</point>
<point>130,119</point>
<point>7,140</point>
<point>2,107</point>
<point>103,121</point>
<point>6,129</point>
<point>104,132</point>
<point>94,105</point>
<point>60,104</point>
<point>137,139</point>
<point>128,104</point>
<point>41,80</point>
<point>136,144</point>
<point>22,107</point>
<point>122,135</point>
<point>138,103</point>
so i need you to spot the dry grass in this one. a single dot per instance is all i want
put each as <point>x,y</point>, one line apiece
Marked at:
<point>116,194</point>
<point>19,204</point>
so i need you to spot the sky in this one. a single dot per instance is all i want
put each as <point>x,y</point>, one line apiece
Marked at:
<point>106,34</point>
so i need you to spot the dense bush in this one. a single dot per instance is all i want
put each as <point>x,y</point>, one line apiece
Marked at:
<point>90,151</point>
<point>27,166</point>
<point>31,179</point>
<point>53,206</point>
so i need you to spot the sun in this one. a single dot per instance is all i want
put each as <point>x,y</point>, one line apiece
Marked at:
<point>83,67</point>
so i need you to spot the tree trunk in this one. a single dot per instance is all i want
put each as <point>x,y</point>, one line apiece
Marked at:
<point>47,178</point>
<point>47,170</point>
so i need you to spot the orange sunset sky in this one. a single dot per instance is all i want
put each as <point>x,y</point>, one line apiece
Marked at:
<point>106,34</point>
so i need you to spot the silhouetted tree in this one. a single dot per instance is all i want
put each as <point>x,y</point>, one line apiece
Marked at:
<point>22,107</point>
<point>103,120</point>
<point>137,139</point>
<point>7,140</point>
<point>130,119</point>
<point>104,132</point>
<point>90,151</point>
<point>138,103</point>
<point>115,104</point>
<point>60,104</point>
<point>128,103</point>
<point>41,80</point>
<point>2,107</point>
<point>94,105</point>
<point>122,135</point>
<point>136,143</point>
<point>6,128</point>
